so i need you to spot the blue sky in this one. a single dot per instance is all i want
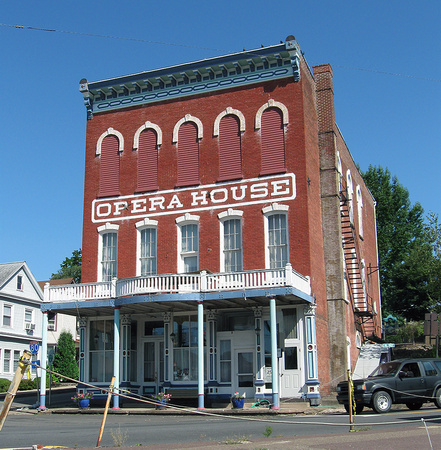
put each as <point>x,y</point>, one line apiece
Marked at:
<point>387,84</point>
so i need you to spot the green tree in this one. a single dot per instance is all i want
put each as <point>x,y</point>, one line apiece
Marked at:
<point>402,246</point>
<point>432,230</point>
<point>65,356</point>
<point>70,268</point>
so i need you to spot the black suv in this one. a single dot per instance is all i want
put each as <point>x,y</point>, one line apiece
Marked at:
<point>409,381</point>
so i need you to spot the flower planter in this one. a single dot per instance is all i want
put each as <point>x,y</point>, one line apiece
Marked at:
<point>161,404</point>
<point>84,403</point>
<point>238,403</point>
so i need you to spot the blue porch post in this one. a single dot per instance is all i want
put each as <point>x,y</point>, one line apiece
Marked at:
<point>116,357</point>
<point>274,360</point>
<point>312,382</point>
<point>201,356</point>
<point>43,361</point>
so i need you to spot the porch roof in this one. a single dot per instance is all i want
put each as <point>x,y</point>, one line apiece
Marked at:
<point>180,302</point>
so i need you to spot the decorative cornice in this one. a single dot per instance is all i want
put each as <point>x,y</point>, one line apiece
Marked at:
<point>224,72</point>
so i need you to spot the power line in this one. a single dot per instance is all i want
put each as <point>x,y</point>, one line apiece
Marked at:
<point>53,30</point>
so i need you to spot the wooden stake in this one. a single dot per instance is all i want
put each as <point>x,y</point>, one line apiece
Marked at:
<point>13,387</point>
<point>109,396</point>
<point>351,417</point>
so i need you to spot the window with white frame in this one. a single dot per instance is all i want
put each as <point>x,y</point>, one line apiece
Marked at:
<point>108,252</point>
<point>7,315</point>
<point>16,359</point>
<point>188,243</point>
<point>28,315</point>
<point>6,361</point>
<point>359,210</point>
<point>339,172</point>
<point>231,241</point>
<point>19,283</point>
<point>276,236</point>
<point>147,245</point>
<point>350,189</point>
<point>101,350</point>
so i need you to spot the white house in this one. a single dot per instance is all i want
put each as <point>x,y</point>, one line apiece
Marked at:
<point>21,317</point>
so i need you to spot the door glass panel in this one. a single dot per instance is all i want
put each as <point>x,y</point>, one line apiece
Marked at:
<point>291,362</point>
<point>245,369</point>
<point>149,361</point>
<point>290,323</point>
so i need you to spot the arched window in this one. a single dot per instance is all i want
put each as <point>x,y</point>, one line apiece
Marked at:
<point>147,139</point>
<point>109,145</point>
<point>229,125</point>
<point>271,120</point>
<point>187,133</point>
<point>359,210</point>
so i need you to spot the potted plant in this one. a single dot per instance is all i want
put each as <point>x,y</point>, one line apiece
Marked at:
<point>238,400</point>
<point>162,398</point>
<point>82,398</point>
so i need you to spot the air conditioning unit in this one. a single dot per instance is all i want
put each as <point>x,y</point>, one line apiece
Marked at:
<point>30,326</point>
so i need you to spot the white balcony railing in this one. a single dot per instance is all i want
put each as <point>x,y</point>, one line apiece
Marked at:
<point>179,283</point>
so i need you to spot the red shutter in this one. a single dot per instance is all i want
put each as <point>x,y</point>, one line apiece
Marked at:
<point>109,167</point>
<point>230,158</point>
<point>273,142</point>
<point>147,161</point>
<point>188,155</point>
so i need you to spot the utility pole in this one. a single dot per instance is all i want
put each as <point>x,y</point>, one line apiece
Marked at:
<point>13,387</point>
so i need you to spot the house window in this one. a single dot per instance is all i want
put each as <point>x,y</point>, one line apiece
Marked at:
<point>148,251</point>
<point>230,156</point>
<point>232,245</point>
<point>359,211</point>
<point>7,315</point>
<point>109,146</point>
<point>185,349</point>
<point>16,359</point>
<point>6,361</point>
<point>51,322</point>
<point>108,251</point>
<point>101,350</point>
<point>147,161</point>
<point>19,283</point>
<point>276,236</point>
<point>28,315</point>
<point>271,119</point>
<point>350,192</point>
<point>188,239</point>
<point>187,133</point>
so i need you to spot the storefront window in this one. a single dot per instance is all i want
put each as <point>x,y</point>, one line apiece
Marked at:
<point>101,350</point>
<point>185,349</point>
<point>225,361</point>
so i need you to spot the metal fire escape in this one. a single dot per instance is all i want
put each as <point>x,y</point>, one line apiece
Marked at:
<point>362,303</point>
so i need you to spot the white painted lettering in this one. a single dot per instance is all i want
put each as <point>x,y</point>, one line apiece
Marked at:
<point>120,206</point>
<point>175,203</point>
<point>156,202</point>
<point>103,209</point>
<point>136,205</point>
<point>243,188</point>
<point>221,199</point>
<point>259,190</point>
<point>202,196</point>
<point>278,189</point>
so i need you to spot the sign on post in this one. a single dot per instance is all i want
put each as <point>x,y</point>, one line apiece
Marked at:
<point>34,347</point>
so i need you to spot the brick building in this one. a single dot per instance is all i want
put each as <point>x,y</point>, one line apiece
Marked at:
<point>226,233</point>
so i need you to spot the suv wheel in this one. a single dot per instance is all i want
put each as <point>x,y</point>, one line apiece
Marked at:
<point>438,398</point>
<point>382,402</point>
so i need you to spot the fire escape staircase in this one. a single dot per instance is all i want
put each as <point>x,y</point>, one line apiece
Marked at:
<point>362,303</point>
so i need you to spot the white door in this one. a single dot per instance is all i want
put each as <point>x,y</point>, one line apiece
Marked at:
<point>291,361</point>
<point>244,372</point>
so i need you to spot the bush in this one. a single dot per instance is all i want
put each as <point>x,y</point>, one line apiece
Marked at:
<point>4,384</point>
<point>26,385</point>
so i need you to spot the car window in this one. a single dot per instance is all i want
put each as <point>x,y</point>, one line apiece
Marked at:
<point>386,369</point>
<point>429,369</point>
<point>438,365</point>
<point>410,370</point>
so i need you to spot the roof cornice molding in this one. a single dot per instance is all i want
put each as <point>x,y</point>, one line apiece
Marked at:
<point>205,76</point>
